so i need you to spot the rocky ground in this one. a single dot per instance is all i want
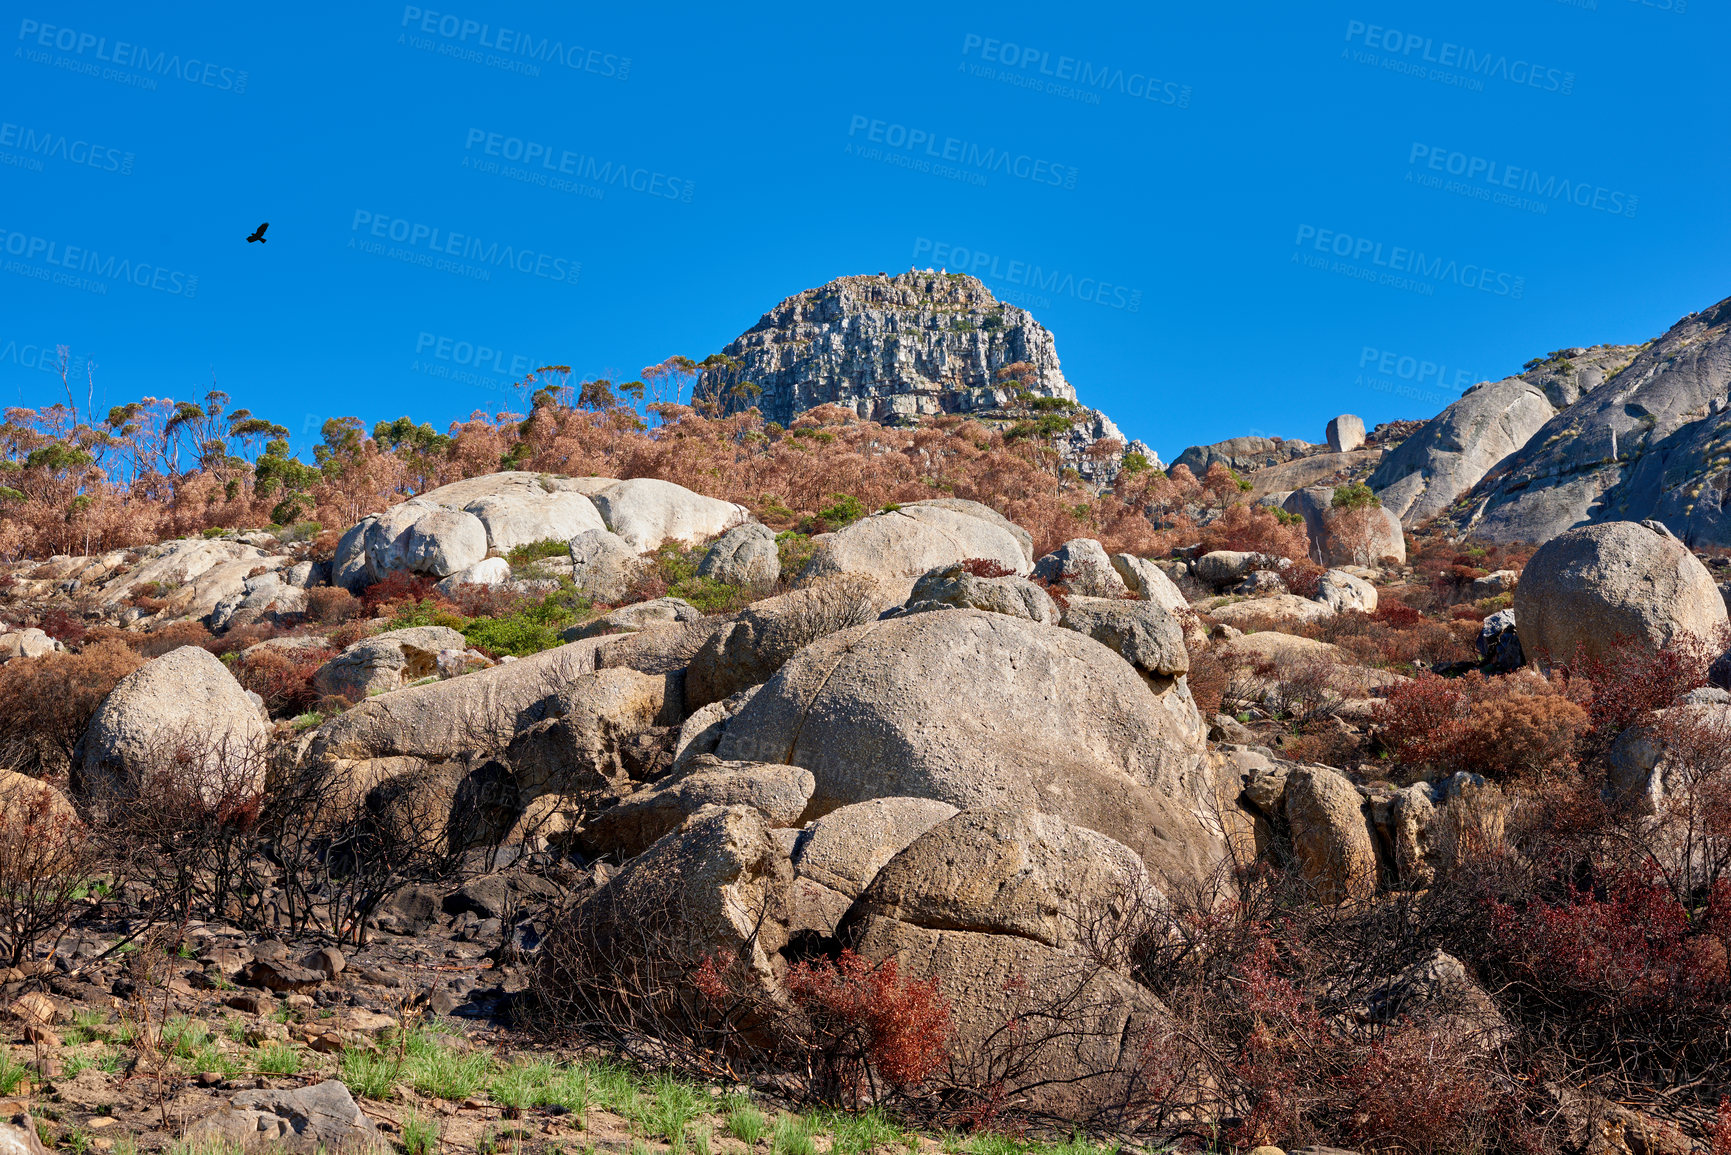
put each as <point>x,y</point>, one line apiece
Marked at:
<point>490,800</point>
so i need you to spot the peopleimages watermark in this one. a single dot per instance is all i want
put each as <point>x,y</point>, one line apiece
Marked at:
<point>564,170</point>
<point>1037,70</point>
<point>25,147</point>
<point>469,362</point>
<point>1410,377</point>
<point>121,62</point>
<point>508,49</point>
<point>1517,187</point>
<point>1396,266</point>
<point>952,158</point>
<point>461,254</point>
<point>86,269</point>
<point>44,358</point>
<point>1446,62</point>
<point>1026,275</point>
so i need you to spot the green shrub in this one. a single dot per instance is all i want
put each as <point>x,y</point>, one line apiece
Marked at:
<point>844,510</point>
<point>795,549</point>
<point>1354,495</point>
<point>537,551</point>
<point>1135,463</point>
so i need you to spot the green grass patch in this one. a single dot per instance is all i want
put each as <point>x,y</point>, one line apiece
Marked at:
<point>277,1059</point>
<point>369,1074</point>
<point>436,1069</point>
<point>420,1134</point>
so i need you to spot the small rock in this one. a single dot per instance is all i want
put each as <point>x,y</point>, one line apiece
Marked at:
<point>249,1003</point>
<point>329,962</point>
<point>280,976</point>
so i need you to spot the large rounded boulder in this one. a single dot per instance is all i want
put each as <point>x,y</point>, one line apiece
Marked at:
<point>181,714</point>
<point>648,512</point>
<point>899,545</point>
<point>1021,918</point>
<point>981,709</point>
<point>1620,583</point>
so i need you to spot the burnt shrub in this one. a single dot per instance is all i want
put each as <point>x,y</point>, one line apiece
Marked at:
<point>45,860</point>
<point>331,605</point>
<point>1628,681</point>
<point>49,701</point>
<point>1518,726</point>
<point>283,678</point>
<point>865,1026</point>
<point>1255,529</point>
<point>985,567</point>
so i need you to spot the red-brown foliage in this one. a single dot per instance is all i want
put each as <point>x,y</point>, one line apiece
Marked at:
<point>331,605</point>
<point>985,567</point>
<point>49,701</point>
<point>1507,727</point>
<point>1255,529</point>
<point>283,678</point>
<point>1627,947</point>
<point>1629,681</point>
<point>865,1018</point>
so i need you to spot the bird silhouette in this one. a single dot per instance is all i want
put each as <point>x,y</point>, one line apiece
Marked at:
<point>259,235</point>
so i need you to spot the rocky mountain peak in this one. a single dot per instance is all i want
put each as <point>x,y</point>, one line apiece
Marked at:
<point>915,344</point>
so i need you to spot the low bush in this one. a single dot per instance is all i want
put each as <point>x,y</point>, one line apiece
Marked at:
<point>49,701</point>
<point>283,678</point>
<point>1519,726</point>
<point>332,605</point>
<point>1255,529</point>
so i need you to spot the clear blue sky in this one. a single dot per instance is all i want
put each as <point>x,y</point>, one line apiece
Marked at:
<point>1263,189</point>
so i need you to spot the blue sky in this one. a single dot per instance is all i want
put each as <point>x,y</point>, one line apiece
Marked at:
<point>1236,216</point>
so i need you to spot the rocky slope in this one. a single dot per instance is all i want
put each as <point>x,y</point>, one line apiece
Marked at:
<point>1494,419</point>
<point>1648,442</point>
<point>915,344</point>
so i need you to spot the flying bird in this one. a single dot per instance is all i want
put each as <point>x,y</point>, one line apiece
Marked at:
<point>259,235</point>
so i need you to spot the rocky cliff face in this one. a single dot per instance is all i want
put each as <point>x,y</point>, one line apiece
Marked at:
<point>911,345</point>
<point>1492,420</point>
<point>1651,439</point>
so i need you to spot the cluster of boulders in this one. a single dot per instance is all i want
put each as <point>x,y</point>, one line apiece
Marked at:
<point>935,747</point>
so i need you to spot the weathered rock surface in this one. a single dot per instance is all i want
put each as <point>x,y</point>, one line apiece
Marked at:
<point>1149,582</point>
<point>845,849</point>
<point>1241,453</point>
<point>1587,588</point>
<point>183,709</point>
<point>918,343</point>
<point>1141,633</point>
<point>1341,591</point>
<point>744,556</point>
<point>1643,443</point>
<point>518,508</point>
<point>604,566</point>
<point>778,792</point>
<point>638,616</point>
<point>1430,470</point>
<point>716,886</point>
<point>985,513</point>
<point>1013,872</point>
<point>26,643</point>
<point>573,739</point>
<point>1332,839</point>
<point>647,512</point>
<point>307,1120</point>
<point>952,587</point>
<point>751,648</point>
<point>1065,726</point>
<point>1345,433</point>
<point>1082,566</point>
<point>895,547</point>
<point>387,661</point>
